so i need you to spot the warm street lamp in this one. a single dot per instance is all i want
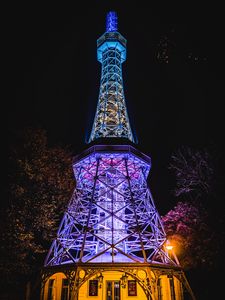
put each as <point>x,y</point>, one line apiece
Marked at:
<point>170,251</point>
<point>169,247</point>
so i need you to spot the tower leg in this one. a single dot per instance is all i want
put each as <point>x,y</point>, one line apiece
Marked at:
<point>187,286</point>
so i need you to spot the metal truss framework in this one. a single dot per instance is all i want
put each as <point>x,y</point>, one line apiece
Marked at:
<point>111,119</point>
<point>111,216</point>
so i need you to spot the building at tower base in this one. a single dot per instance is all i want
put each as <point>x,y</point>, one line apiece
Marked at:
<point>116,281</point>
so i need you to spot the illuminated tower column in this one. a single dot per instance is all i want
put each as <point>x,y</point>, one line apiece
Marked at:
<point>111,119</point>
<point>112,216</point>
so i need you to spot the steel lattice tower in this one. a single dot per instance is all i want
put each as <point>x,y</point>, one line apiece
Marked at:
<point>111,220</point>
<point>111,216</point>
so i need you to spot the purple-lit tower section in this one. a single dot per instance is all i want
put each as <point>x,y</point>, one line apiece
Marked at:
<point>111,216</point>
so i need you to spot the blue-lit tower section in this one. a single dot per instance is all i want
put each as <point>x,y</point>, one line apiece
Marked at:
<point>111,119</point>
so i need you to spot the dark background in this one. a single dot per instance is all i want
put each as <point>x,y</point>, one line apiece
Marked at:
<point>173,76</point>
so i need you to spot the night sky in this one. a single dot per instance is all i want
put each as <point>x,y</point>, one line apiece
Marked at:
<point>173,76</point>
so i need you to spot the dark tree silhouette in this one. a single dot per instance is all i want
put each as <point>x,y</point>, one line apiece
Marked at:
<point>40,186</point>
<point>191,224</point>
<point>193,170</point>
<point>187,229</point>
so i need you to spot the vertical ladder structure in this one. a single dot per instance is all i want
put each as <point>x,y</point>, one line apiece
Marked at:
<point>111,244</point>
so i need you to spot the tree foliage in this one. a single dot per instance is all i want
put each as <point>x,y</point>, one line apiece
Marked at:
<point>192,224</point>
<point>187,229</point>
<point>193,171</point>
<point>40,186</point>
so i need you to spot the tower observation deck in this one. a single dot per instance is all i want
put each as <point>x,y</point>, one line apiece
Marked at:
<point>111,118</point>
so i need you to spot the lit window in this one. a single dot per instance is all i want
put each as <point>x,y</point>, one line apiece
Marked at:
<point>51,289</point>
<point>65,289</point>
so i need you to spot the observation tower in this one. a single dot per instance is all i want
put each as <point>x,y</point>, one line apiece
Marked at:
<point>111,244</point>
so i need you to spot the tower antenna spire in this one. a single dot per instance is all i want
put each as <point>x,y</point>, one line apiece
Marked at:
<point>111,21</point>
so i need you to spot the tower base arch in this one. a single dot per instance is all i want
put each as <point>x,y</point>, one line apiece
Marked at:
<point>115,282</point>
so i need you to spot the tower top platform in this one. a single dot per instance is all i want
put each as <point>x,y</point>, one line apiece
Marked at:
<point>111,38</point>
